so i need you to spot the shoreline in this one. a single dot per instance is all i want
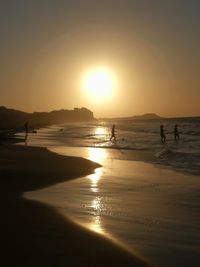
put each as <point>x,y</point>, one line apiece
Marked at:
<point>132,200</point>
<point>145,156</point>
<point>36,234</point>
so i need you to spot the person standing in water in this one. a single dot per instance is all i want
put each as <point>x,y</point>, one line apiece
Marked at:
<point>162,134</point>
<point>176,133</point>
<point>113,136</point>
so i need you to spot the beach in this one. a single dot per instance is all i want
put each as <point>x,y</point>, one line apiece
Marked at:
<point>144,198</point>
<point>100,133</point>
<point>151,209</point>
<point>35,234</point>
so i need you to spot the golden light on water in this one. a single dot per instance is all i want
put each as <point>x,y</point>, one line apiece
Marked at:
<point>98,207</point>
<point>94,178</point>
<point>100,131</point>
<point>96,225</point>
<point>97,154</point>
<point>99,84</point>
<point>96,204</point>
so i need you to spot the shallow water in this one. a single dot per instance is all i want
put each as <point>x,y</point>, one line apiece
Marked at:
<point>154,211</point>
<point>131,136</point>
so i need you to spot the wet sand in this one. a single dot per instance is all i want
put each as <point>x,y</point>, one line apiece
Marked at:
<point>154,211</point>
<point>34,234</point>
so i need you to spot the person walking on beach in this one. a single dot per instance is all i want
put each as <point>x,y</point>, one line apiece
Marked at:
<point>113,136</point>
<point>162,134</point>
<point>176,133</point>
<point>26,128</point>
<point>26,132</point>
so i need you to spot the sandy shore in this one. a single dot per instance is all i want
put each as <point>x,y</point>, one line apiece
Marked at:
<point>33,234</point>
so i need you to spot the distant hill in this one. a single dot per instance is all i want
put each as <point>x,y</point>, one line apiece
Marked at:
<point>10,118</point>
<point>147,116</point>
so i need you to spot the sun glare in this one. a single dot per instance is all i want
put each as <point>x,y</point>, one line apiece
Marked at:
<point>99,84</point>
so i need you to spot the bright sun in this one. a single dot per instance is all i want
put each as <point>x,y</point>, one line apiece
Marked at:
<point>99,84</point>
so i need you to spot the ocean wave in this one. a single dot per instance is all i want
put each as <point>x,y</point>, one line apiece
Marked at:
<point>185,161</point>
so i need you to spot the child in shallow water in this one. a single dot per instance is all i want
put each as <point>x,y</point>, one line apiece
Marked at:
<point>113,133</point>
<point>162,134</point>
<point>176,133</point>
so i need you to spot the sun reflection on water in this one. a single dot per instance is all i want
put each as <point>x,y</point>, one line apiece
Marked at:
<point>97,154</point>
<point>96,225</point>
<point>94,178</point>
<point>97,204</point>
<point>101,131</point>
<point>98,207</point>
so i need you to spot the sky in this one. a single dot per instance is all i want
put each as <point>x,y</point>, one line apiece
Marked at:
<point>151,47</point>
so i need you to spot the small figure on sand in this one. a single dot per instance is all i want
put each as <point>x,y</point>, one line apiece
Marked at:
<point>26,128</point>
<point>162,134</point>
<point>113,133</point>
<point>176,133</point>
<point>26,132</point>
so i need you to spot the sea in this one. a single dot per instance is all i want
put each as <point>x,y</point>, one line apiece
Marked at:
<point>146,195</point>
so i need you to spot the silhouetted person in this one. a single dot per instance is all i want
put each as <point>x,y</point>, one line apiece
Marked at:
<point>26,133</point>
<point>113,133</point>
<point>176,133</point>
<point>162,134</point>
<point>26,128</point>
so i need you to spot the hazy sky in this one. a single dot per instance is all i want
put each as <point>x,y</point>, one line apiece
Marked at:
<point>151,46</point>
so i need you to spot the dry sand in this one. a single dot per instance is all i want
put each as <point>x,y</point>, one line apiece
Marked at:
<point>33,234</point>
